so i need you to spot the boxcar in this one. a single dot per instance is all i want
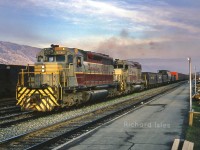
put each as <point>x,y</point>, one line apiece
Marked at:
<point>166,75</point>
<point>150,79</point>
<point>179,76</point>
<point>159,78</point>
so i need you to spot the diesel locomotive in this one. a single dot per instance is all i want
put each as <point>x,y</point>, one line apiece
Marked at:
<point>64,77</point>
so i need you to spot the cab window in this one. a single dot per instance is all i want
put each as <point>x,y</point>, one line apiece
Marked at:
<point>120,66</point>
<point>70,59</point>
<point>40,59</point>
<point>50,58</point>
<point>60,58</point>
<point>79,62</point>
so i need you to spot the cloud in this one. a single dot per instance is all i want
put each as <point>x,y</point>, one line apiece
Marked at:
<point>155,64</point>
<point>126,47</point>
<point>150,14</point>
<point>23,34</point>
<point>124,33</point>
<point>123,29</point>
<point>131,19</point>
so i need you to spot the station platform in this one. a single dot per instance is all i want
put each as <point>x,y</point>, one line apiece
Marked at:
<point>153,126</point>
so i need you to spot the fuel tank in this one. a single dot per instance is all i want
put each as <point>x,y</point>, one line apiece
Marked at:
<point>97,94</point>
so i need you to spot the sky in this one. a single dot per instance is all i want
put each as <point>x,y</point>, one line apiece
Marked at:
<point>124,29</point>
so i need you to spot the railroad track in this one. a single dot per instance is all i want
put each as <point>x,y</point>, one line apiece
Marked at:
<point>22,117</point>
<point>71,128</point>
<point>6,111</point>
<point>7,102</point>
<point>16,118</point>
<point>8,119</point>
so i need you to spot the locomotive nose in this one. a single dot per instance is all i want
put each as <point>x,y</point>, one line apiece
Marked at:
<point>35,99</point>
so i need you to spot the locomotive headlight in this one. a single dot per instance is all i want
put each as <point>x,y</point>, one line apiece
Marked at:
<point>43,70</point>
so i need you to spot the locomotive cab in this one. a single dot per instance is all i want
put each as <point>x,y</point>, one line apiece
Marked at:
<point>42,90</point>
<point>56,65</point>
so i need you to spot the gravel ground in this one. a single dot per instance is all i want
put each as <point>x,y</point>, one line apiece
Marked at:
<point>22,128</point>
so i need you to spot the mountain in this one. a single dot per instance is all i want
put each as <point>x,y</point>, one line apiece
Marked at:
<point>11,53</point>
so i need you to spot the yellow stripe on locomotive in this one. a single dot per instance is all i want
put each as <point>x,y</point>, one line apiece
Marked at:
<point>37,99</point>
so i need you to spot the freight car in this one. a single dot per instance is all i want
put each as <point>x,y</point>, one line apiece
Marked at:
<point>150,79</point>
<point>9,79</point>
<point>166,76</point>
<point>179,76</point>
<point>161,78</point>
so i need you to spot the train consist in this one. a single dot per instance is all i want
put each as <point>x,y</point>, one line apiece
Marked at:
<point>64,77</point>
<point>161,78</point>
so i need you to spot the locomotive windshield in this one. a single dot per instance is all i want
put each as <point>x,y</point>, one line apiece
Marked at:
<point>57,58</point>
<point>50,58</point>
<point>60,58</point>
<point>40,59</point>
<point>119,66</point>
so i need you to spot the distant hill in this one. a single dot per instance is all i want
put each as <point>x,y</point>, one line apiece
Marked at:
<point>11,53</point>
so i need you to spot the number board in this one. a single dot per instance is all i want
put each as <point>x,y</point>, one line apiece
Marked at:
<point>60,52</point>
